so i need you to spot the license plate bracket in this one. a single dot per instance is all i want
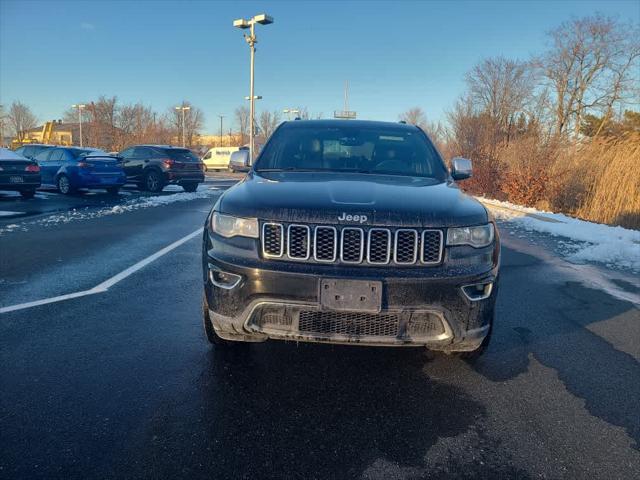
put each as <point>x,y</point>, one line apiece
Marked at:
<point>351,295</point>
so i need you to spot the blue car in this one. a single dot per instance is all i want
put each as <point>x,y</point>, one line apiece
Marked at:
<point>71,168</point>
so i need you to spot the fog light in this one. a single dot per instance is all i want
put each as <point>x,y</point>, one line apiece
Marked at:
<point>222,279</point>
<point>478,291</point>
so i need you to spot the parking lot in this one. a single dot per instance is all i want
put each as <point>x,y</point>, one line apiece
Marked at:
<point>106,372</point>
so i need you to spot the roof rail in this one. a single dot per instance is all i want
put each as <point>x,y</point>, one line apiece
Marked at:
<point>403,122</point>
<point>297,118</point>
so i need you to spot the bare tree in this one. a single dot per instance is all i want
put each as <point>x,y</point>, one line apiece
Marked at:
<point>502,89</point>
<point>414,116</point>
<point>3,118</point>
<point>268,122</point>
<point>242,120</point>
<point>136,124</point>
<point>590,66</point>
<point>21,120</point>
<point>193,122</point>
<point>100,129</point>
<point>303,113</point>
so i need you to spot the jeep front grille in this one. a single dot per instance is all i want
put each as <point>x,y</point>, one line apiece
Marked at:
<point>352,245</point>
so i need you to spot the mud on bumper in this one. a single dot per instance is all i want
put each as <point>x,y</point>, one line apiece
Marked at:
<point>267,304</point>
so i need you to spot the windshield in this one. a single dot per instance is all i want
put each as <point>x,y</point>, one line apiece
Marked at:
<point>372,150</point>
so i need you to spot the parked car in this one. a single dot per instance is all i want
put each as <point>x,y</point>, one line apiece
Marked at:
<point>217,158</point>
<point>72,168</point>
<point>351,232</point>
<point>18,173</point>
<point>31,150</point>
<point>152,167</point>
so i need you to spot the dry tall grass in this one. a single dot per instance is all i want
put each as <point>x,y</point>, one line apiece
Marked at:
<point>597,181</point>
<point>613,196</point>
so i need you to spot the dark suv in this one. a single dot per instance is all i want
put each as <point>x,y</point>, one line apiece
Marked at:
<point>152,167</point>
<point>351,232</point>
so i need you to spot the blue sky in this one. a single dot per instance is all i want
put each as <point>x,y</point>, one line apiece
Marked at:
<point>395,54</point>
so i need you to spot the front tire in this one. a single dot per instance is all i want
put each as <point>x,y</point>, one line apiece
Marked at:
<point>27,194</point>
<point>153,181</point>
<point>190,187</point>
<point>64,185</point>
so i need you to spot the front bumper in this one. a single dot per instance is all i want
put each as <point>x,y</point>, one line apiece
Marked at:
<point>275,300</point>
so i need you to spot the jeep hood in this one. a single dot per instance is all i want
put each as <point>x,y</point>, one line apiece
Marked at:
<point>323,197</point>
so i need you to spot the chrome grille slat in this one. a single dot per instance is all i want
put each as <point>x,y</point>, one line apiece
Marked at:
<point>379,246</point>
<point>298,242</point>
<point>352,245</point>
<point>431,248</point>
<point>325,244</point>
<point>272,240</point>
<point>405,251</point>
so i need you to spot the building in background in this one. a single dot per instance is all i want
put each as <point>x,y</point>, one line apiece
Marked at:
<point>55,132</point>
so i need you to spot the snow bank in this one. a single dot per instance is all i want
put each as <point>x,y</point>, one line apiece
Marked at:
<point>128,206</point>
<point>599,243</point>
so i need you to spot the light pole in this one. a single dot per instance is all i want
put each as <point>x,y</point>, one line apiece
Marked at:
<point>79,106</point>
<point>221,117</point>
<point>289,111</point>
<point>252,40</point>
<point>184,109</point>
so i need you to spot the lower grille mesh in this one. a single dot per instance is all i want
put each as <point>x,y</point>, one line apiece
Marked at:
<point>348,323</point>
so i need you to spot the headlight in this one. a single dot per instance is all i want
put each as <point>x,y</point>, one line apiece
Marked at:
<point>229,226</point>
<point>477,237</point>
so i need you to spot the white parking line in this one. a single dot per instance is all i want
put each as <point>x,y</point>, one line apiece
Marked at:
<point>7,213</point>
<point>104,286</point>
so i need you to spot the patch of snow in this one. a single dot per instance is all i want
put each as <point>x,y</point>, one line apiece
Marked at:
<point>606,244</point>
<point>127,206</point>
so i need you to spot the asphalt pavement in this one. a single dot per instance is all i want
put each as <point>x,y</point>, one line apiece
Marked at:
<point>121,383</point>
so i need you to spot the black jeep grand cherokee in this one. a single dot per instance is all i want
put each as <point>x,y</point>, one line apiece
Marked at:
<point>351,232</point>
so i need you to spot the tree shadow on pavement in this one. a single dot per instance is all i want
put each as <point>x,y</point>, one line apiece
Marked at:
<point>280,410</point>
<point>550,322</point>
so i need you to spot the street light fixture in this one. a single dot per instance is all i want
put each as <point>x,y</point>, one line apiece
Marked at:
<point>79,106</point>
<point>251,39</point>
<point>290,111</point>
<point>184,109</point>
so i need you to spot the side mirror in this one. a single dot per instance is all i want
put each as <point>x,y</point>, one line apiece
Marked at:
<point>461,168</point>
<point>239,161</point>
